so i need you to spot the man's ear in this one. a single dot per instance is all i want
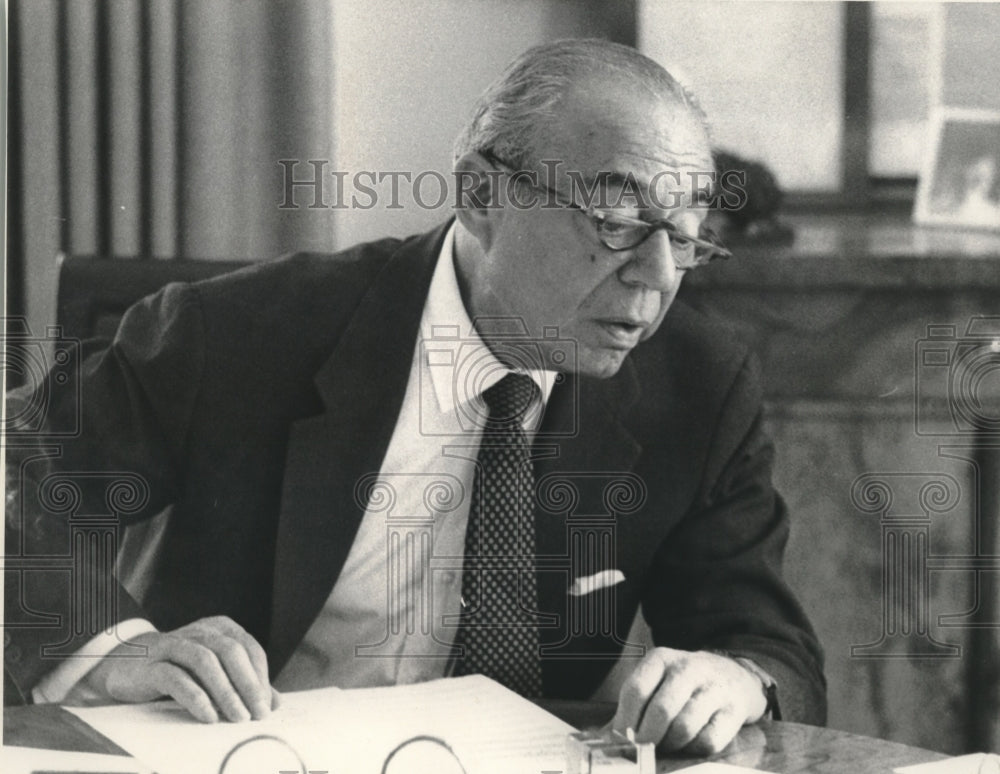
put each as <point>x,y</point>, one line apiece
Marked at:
<point>478,199</point>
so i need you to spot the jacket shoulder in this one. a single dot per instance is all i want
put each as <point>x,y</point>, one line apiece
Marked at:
<point>305,277</point>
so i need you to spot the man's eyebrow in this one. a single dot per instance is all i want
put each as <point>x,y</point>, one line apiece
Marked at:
<point>608,178</point>
<point>631,181</point>
<point>594,188</point>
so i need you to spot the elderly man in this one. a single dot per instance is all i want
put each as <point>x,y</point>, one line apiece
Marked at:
<point>528,359</point>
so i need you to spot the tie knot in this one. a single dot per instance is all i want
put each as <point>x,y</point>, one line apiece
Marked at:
<point>510,398</point>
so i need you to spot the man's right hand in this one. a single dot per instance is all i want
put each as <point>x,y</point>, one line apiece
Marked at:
<point>211,667</point>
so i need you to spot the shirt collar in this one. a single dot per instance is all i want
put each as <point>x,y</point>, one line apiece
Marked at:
<point>460,364</point>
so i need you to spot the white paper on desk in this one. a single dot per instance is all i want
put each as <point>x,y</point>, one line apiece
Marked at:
<point>977,763</point>
<point>490,728</point>
<point>24,760</point>
<point>717,768</point>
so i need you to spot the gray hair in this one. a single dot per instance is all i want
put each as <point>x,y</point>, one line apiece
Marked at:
<point>508,116</point>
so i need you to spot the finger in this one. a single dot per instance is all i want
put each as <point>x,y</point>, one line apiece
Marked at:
<point>253,648</point>
<point>261,704</point>
<point>255,693</point>
<point>256,653</point>
<point>670,699</point>
<point>654,693</point>
<point>720,730</point>
<point>691,719</point>
<point>204,667</point>
<point>275,699</point>
<point>173,681</point>
<point>636,692</point>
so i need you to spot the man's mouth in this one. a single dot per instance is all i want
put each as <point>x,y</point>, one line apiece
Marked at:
<point>620,331</point>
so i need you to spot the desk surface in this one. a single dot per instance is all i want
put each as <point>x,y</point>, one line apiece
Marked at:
<point>774,746</point>
<point>785,748</point>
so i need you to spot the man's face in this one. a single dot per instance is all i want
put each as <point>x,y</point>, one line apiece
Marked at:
<point>548,267</point>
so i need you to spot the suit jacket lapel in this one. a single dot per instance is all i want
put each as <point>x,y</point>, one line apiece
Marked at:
<point>583,423</point>
<point>582,433</point>
<point>362,386</point>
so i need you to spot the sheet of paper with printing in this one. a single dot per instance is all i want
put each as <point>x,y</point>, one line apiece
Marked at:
<point>490,729</point>
<point>718,768</point>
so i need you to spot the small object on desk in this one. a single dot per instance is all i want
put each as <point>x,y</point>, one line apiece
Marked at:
<point>599,752</point>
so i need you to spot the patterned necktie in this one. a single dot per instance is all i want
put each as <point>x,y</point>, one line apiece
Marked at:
<point>499,590</point>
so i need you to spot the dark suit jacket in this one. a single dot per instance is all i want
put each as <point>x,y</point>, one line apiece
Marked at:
<point>256,402</point>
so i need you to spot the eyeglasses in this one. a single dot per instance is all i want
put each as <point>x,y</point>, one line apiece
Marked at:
<point>621,232</point>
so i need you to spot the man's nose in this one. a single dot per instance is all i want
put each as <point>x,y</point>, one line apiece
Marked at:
<point>652,264</point>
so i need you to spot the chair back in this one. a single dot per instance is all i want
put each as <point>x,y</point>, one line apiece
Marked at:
<point>94,292</point>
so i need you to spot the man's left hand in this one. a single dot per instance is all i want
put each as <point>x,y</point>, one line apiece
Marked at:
<point>692,701</point>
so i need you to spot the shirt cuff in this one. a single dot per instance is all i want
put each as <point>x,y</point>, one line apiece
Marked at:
<point>62,684</point>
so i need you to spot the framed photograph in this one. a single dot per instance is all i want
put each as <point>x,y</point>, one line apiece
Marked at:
<point>960,181</point>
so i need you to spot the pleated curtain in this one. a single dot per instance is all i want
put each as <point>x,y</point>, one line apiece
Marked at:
<point>154,129</point>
